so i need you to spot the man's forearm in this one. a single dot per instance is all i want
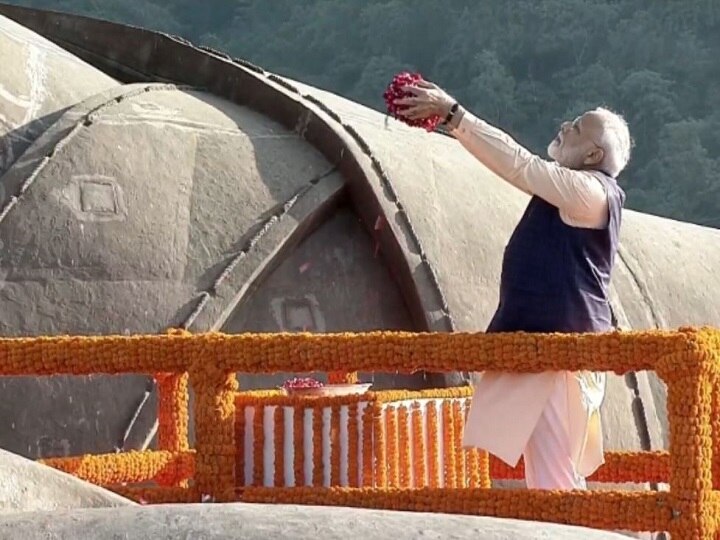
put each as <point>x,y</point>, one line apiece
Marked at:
<point>576,193</point>
<point>492,147</point>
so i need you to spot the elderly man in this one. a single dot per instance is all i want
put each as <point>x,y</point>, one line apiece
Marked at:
<point>555,278</point>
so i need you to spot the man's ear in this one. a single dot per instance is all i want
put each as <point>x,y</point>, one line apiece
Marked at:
<point>595,156</point>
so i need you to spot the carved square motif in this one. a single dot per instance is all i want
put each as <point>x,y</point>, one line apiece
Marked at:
<point>98,198</point>
<point>298,315</point>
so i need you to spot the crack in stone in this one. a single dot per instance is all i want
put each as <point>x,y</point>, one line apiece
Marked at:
<point>647,300</point>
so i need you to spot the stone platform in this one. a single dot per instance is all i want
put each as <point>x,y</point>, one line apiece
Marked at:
<point>27,486</point>
<point>260,522</point>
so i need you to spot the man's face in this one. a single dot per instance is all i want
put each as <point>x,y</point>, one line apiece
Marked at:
<point>575,146</point>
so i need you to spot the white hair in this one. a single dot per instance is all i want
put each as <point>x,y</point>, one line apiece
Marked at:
<point>615,142</point>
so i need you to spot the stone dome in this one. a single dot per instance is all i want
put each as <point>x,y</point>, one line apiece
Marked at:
<point>40,81</point>
<point>204,192</point>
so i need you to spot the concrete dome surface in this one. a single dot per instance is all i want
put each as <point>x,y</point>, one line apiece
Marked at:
<point>260,522</point>
<point>28,486</point>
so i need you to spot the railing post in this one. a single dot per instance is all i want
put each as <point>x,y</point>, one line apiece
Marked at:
<point>691,448</point>
<point>715,419</point>
<point>173,420</point>
<point>214,431</point>
<point>172,411</point>
<point>485,479</point>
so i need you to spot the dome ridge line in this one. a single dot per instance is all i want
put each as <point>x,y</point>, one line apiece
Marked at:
<point>86,120</point>
<point>275,217</point>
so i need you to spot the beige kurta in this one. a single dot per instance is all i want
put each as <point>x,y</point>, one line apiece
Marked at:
<point>505,406</point>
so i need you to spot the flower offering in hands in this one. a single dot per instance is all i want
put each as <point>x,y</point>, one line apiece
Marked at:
<point>395,91</point>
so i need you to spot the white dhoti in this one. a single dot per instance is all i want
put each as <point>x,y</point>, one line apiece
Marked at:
<point>552,419</point>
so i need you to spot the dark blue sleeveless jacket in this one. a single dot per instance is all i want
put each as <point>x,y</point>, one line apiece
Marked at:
<point>555,278</point>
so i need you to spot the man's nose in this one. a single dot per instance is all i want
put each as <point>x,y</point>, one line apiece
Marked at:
<point>565,126</point>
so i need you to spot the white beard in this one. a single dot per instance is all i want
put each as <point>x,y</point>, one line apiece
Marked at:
<point>572,158</point>
<point>552,150</point>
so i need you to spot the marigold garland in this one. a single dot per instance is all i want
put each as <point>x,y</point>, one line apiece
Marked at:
<point>240,427</point>
<point>690,397</point>
<point>458,419</point>
<point>619,467</point>
<point>483,459</point>
<point>318,465</point>
<point>382,351</point>
<point>381,453</point>
<point>335,450</point>
<point>393,396</point>
<point>473,465</point>
<point>173,419</point>
<point>353,469</point>
<point>215,413</point>
<point>418,439</point>
<point>128,467</point>
<point>368,443</point>
<point>278,398</point>
<point>716,433</point>
<point>253,398</point>
<point>404,449</point>
<point>433,452</point>
<point>448,436</point>
<point>259,446</point>
<point>299,445</point>
<point>391,436</point>
<point>472,458</point>
<point>687,360</point>
<point>279,446</point>
<point>172,411</point>
<point>263,399</point>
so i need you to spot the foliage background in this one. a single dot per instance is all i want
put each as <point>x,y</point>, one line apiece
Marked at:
<point>523,65</point>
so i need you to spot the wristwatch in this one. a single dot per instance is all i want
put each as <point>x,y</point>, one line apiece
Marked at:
<point>452,112</point>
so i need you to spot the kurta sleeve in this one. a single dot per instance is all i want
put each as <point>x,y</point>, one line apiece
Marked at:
<point>579,195</point>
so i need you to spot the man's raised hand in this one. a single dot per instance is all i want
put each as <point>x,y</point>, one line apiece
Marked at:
<point>427,99</point>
